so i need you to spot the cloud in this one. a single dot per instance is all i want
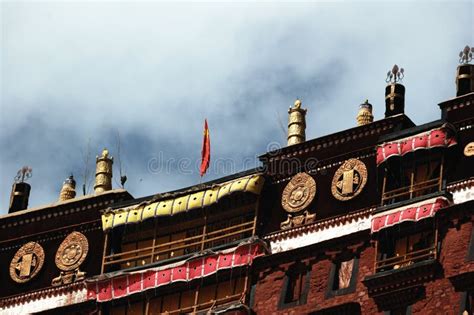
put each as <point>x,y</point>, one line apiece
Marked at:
<point>153,71</point>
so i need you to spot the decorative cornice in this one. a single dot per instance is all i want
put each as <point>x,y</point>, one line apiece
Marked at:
<point>323,224</point>
<point>467,183</point>
<point>342,137</point>
<point>58,234</point>
<point>457,102</point>
<point>63,208</point>
<point>41,294</point>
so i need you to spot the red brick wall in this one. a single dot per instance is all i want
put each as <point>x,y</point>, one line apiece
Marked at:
<point>440,298</point>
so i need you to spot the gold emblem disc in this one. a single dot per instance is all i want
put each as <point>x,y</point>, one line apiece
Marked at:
<point>72,252</point>
<point>27,262</point>
<point>298,193</point>
<point>349,180</point>
<point>469,149</point>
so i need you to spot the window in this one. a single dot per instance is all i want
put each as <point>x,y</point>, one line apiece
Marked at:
<point>295,286</point>
<point>343,276</point>
<point>404,310</point>
<point>416,175</point>
<point>467,303</point>
<point>470,254</point>
<point>404,247</point>
<point>135,308</point>
<point>142,244</point>
<point>207,295</point>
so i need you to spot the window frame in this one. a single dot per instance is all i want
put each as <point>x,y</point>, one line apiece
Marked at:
<point>330,292</point>
<point>405,232</point>
<point>470,252</point>
<point>301,269</point>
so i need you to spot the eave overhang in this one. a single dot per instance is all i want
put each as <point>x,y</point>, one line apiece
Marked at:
<point>171,205</point>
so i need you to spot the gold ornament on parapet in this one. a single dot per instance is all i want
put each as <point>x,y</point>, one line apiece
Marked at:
<point>349,180</point>
<point>297,196</point>
<point>70,255</point>
<point>298,193</point>
<point>27,262</point>
<point>469,149</point>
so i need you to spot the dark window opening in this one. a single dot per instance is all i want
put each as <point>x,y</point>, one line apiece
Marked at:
<point>467,303</point>
<point>295,286</point>
<point>402,248</point>
<point>404,310</point>
<point>470,254</point>
<point>415,175</point>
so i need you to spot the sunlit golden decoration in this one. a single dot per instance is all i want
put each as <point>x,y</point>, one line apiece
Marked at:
<point>364,116</point>
<point>68,191</point>
<point>103,173</point>
<point>70,255</point>
<point>297,220</point>
<point>469,149</point>
<point>296,124</point>
<point>298,193</point>
<point>27,262</point>
<point>349,180</point>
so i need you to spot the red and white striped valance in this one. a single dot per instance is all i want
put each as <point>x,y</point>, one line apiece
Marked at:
<point>415,212</point>
<point>440,137</point>
<point>124,284</point>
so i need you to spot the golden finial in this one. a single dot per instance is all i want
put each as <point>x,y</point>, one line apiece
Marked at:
<point>103,173</point>
<point>68,191</point>
<point>105,153</point>
<point>365,116</point>
<point>297,103</point>
<point>296,123</point>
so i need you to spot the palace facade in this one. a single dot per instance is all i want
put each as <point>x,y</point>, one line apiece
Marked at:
<point>374,219</point>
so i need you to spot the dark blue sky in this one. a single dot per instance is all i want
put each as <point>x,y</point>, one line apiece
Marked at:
<point>74,73</point>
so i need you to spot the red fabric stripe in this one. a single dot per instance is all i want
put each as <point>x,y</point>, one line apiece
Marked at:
<point>426,140</point>
<point>105,291</point>
<point>195,269</point>
<point>164,277</point>
<point>408,214</point>
<point>225,260</point>
<point>125,285</point>
<point>149,279</point>
<point>210,265</point>
<point>135,283</point>
<point>179,273</point>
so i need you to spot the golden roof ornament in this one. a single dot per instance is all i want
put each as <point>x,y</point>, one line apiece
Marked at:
<point>364,116</point>
<point>396,75</point>
<point>394,92</point>
<point>465,55</point>
<point>296,123</point>
<point>103,173</point>
<point>465,72</point>
<point>68,191</point>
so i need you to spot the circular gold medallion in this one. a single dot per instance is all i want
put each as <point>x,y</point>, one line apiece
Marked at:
<point>27,262</point>
<point>469,149</point>
<point>72,252</point>
<point>298,193</point>
<point>349,180</point>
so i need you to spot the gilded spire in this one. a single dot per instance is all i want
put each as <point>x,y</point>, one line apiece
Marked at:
<point>103,173</point>
<point>296,124</point>
<point>68,191</point>
<point>365,116</point>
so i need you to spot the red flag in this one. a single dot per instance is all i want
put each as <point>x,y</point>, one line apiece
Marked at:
<point>206,150</point>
